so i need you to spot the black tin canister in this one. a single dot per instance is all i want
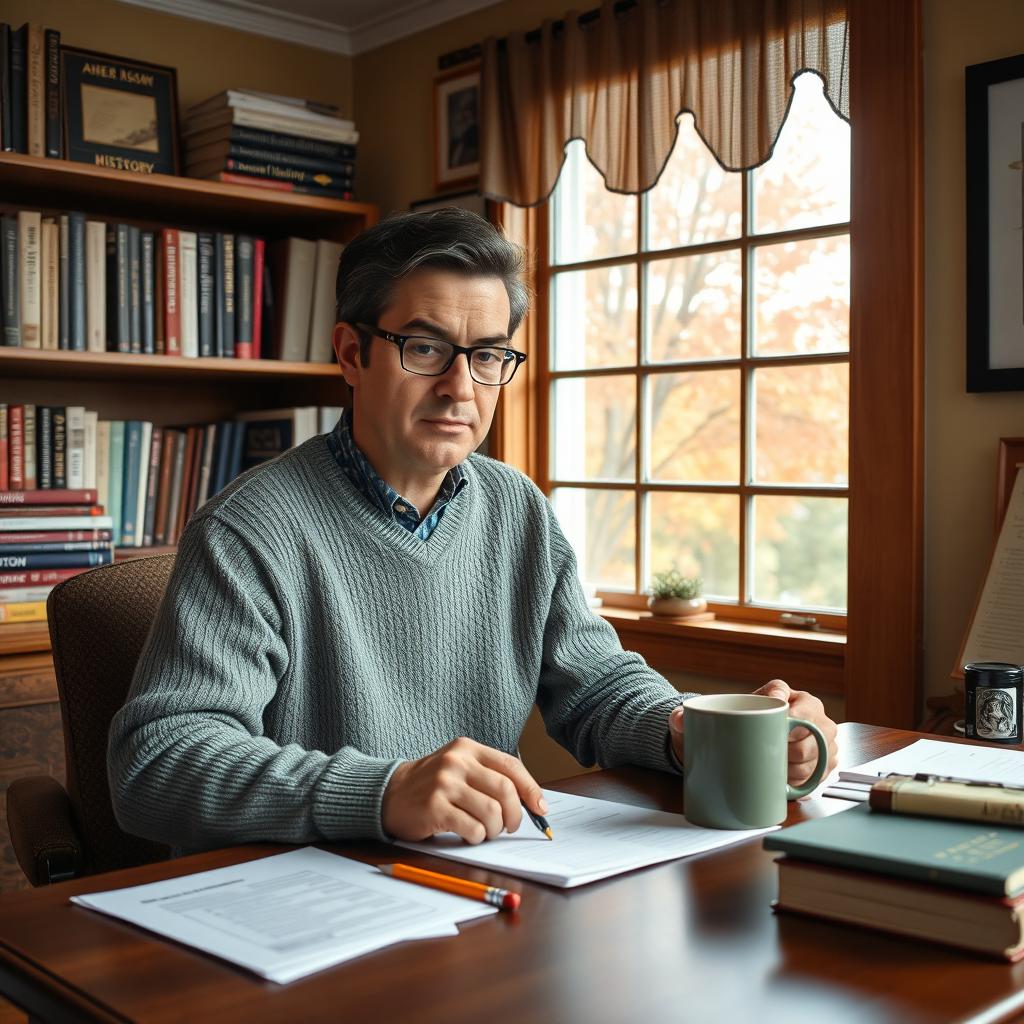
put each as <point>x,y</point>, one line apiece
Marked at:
<point>992,699</point>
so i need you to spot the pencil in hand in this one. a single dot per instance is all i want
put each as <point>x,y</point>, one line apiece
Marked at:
<point>503,899</point>
<point>540,822</point>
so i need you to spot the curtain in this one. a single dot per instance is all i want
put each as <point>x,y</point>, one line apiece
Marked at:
<point>621,80</point>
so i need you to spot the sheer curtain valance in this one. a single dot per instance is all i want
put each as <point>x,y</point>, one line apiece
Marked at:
<point>621,80</point>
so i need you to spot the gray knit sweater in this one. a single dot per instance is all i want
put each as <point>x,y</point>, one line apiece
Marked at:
<point>306,646</point>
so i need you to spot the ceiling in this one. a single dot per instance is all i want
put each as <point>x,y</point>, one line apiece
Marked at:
<point>348,27</point>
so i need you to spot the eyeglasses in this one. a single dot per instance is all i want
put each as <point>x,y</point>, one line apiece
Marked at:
<point>430,357</point>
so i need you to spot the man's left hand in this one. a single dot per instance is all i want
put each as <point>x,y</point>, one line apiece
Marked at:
<point>803,750</point>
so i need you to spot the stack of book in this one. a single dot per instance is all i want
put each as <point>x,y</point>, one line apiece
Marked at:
<point>256,138</point>
<point>150,478</point>
<point>960,883</point>
<point>68,282</point>
<point>47,536</point>
<point>30,106</point>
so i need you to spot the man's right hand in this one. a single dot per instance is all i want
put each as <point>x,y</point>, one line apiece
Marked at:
<point>465,787</point>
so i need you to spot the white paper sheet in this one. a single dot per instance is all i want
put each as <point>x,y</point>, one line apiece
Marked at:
<point>288,915</point>
<point>593,839</point>
<point>960,760</point>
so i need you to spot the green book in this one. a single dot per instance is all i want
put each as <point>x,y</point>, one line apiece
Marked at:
<point>962,854</point>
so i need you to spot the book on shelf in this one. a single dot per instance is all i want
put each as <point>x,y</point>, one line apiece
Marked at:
<point>218,152</point>
<point>268,141</point>
<point>991,925</point>
<point>31,611</point>
<point>294,264</point>
<point>255,99</point>
<point>29,283</point>
<point>35,90</point>
<point>52,141</point>
<point>96,286</point>
<point>328,182</point>
<point>17,55</point>
<point>6,128</point>
<point>988,859</point>
<point>10,264</point>
<point>189,294</point>
<point>322,313</point>
<point>230,178</point>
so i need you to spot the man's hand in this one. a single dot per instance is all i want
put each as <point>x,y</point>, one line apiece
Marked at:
<point>803,750</point>
<point>465,788</point>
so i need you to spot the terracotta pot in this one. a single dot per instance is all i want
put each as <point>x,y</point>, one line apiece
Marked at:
<point>677,606</point>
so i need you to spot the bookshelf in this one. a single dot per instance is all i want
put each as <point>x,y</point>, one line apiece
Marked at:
<point>168,390</point>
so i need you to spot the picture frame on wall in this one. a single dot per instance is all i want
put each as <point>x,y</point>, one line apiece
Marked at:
<point>469,200</point>
<point>457,127</point>
<point>994,136</point>
<point>119,113</point>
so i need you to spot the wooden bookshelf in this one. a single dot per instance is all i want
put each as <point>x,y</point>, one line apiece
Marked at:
<point>167,390</point>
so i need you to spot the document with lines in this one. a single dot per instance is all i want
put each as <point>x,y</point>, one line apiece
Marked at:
<point>593,839</point>
<point>290,914</point>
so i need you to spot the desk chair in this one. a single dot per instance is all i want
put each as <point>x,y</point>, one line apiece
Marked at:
<point>98,623</point>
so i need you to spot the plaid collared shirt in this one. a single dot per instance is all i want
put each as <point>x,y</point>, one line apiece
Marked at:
<point>365,479</point>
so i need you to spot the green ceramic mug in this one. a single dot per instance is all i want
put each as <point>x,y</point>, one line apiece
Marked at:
<point>734,760</point>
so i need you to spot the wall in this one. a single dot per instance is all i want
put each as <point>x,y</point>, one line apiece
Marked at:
<point>961,430</point>
<point>209,58</point>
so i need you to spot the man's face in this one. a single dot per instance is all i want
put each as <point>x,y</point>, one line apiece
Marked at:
<point>413,427</point>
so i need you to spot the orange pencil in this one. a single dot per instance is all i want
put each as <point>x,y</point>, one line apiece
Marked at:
<point>501,898</point>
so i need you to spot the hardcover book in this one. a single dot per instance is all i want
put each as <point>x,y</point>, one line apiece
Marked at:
<point>961,854</point>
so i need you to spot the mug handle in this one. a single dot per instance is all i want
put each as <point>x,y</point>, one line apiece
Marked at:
<point>795,792</point>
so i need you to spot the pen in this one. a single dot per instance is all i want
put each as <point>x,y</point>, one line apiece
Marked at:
<point>540,822</point>
<point>500,898</point>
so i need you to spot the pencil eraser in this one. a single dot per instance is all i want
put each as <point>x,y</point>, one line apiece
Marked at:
<point>510,901</point>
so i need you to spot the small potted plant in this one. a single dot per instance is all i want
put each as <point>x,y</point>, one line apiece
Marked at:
<point>672,593</point>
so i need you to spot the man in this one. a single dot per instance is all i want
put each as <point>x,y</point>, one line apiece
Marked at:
<point>355,633</point>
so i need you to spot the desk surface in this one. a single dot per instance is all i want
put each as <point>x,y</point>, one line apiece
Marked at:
<point>690,940</point>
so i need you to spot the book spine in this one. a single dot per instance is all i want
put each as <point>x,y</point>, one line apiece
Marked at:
<point>116,502</point>
<point>96,286</point>
<point>20,595</point>
<point>258,256</point>
<point>29,449</point>
<point>29,227</point>
<point>35,85</point>
<point>53,537</point>
<point>145,448</point>
<point>130,493</point>
<point>292,143</point>
<point>64,285</point>
<point>75,427</point>
<point>172,293</point>
<point>148,269</point>
<point>5,466</point>
<point>49,297</point>
<point>11,284</point>
<point>206,467</point>
<point>207,260</point>
<point>37,496</point>
<point>174,500</point>
<point>134,290</point>
<point>60,441</point>
<point>191,499</point>
<point>60,519</point>
<point>54,560</point>
<point>159,311</point>
<point>118,301</point>
<point>244,297</point>
<point>318,180</point>
<point>280,186</point>
<point>278,157</point>
<point>6,129</point>
<point>16,446</point>
<point>103,464</point>
<point>36,578</point>
<point>958,800</point>
<point>226,296</point>
<point>186,481</point>
<point>163,490</point>
<point>16,68</point>
<point>218,299</point>
<point>54,547</point>
<point>44,443</point>
<point>52,132</point>
<point>31,611</point>
<point>76,281</point>
<point>91,431</point>
<point>188,294</point>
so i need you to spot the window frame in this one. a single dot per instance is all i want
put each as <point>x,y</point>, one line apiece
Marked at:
<point>881,658</point>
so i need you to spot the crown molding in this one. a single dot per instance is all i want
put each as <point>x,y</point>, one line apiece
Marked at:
<point>259,19</point>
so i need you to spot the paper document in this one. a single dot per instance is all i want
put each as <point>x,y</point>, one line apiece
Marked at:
<point>288,915</point>
<point>593,839</point>
<point>960,760</point>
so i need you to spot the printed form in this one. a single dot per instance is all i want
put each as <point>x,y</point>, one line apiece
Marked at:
<point>594,839</point>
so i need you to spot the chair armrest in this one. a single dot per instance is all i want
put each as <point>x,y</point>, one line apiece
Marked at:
<point>43,831</point>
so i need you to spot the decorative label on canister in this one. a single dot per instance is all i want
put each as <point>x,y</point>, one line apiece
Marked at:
<point>993,697</point>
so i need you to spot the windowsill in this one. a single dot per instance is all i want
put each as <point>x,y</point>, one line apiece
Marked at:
<point>742,651</point>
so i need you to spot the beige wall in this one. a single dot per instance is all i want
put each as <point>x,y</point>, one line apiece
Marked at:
<point>209,59</point>
<point>961,430</point>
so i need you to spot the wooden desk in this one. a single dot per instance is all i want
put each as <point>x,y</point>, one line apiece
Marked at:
<point>690,940</point>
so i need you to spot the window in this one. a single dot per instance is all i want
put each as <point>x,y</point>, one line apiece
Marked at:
<point>697,370</point>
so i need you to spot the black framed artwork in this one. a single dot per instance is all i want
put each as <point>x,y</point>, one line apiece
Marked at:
<point>994,135</point>
<point>119,113</point>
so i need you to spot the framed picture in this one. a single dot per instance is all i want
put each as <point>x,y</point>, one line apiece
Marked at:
<point>994,115</point>
<point>472,201</point>
<point>457,127</point>
<point>119,113</point>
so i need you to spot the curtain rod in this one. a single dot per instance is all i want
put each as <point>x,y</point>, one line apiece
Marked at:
<point>474,52</point>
